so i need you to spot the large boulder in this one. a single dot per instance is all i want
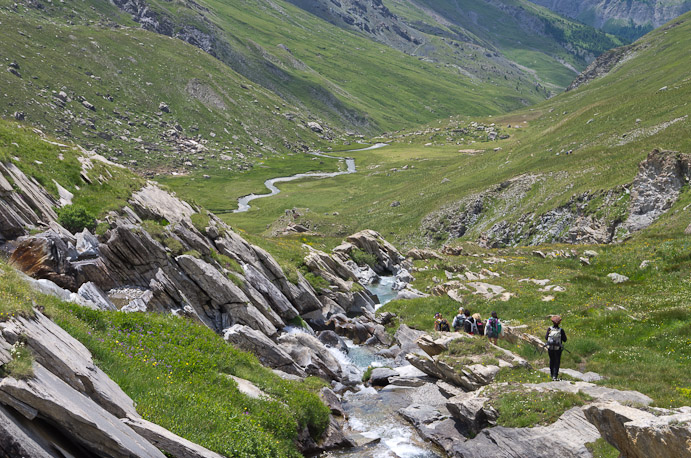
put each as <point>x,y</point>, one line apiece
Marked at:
<point>312,355</point>
<point>472,411</point>
<point>268,352</point>
<point>564,438</point>
<point>48,398</point>
<point>68,359</point>
<point>642,434</point>
<point>45,256</point>
<point>373,243</point>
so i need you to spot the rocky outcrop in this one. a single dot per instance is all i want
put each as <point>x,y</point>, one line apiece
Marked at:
<point>69,404</point>
<point>312,355</point>
<point>268,352</point>
<point>588,218</point>
<point>656,187</point>
<point>371,242</point>
<point>641,434</point>
<point>636,18</point>
<point>565,438</point>
<point>24,203</point>
<point>601,66</point>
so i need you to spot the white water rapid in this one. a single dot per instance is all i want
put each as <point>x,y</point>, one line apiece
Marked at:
<point>373,414</point>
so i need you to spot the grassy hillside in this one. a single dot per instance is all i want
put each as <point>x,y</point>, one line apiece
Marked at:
<point>125,74</point>
<point>610,125</point>
<point>178,371</point>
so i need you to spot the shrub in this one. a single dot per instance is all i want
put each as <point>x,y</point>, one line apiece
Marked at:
<point>174,245</point>
<point>226,262</point>
<point>200,221</point>
<point>362,258</point>
<point>316,281</point>
<point>155,229</point>
<point>76,218</point>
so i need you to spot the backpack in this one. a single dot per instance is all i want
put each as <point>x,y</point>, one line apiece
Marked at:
<point>493,328</point>
<point>444,325</point>
<point>554,338</point>
<point>480,328</point>
<point>458,321</point>
<point>473,325</point>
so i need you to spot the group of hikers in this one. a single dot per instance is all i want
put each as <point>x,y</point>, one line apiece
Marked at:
<point>492,329</point>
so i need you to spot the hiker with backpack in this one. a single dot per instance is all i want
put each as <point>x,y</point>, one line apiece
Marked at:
<point>469,325</point>
<point>440,323</point>
<point>555,338</point>
<point>458,320</point>
<point>480,325</point>
<point>493,328</point>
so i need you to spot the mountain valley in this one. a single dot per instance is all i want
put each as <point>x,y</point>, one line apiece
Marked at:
<point>499,158</point>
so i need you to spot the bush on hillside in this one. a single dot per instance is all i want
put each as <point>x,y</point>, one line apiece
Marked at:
<point>76,218</point>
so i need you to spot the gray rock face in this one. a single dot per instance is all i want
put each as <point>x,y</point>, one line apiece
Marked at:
<point>564,438</point>
<point>640,434</point>
<point>18,440</point>
<point>598,13</point>
<point>469,410</point>
<point>151,202</point>
<point>654,190</point>
<point>93,293</point>
<point>312,355</point>
<point>47,397</point>
<point>268,352</point>
<point>656,187</point>
<point>227,300</point>
<point>20,208</point>
<point>69,360</point>
<point>434,424</point>
<point>381,375</point>
<point>373,243</point>
<point>165,440</point>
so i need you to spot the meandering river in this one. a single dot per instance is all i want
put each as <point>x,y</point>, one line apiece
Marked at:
<point>243,202</point>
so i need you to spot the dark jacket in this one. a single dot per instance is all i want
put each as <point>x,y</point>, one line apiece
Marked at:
<point>467,324</point>
<point>563,334</point>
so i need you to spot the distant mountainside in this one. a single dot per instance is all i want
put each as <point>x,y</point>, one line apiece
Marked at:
<point>273,77</point>
<point>629,19</point>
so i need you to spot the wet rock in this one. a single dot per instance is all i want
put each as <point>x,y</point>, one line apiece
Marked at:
<point>333,340</point>
<point>380,376</point>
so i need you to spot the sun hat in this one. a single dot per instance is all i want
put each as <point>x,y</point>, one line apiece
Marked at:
<point>556,319</point>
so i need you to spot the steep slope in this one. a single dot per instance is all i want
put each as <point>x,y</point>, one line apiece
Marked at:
<point>573,158</point>
<point>135,97</point>
<point>627,19</point>
<point>550,46</point>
